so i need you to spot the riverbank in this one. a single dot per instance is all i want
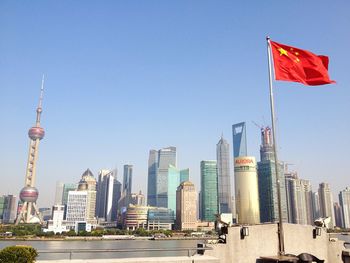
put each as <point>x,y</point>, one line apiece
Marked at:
<point>80,238</point>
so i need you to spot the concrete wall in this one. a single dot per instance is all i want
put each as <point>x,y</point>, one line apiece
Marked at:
<point>263,241</point>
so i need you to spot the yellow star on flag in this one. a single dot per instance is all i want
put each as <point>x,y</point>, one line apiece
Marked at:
<point>283,52</point>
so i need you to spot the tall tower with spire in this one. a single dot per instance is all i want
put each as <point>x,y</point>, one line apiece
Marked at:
<point>29,194</point>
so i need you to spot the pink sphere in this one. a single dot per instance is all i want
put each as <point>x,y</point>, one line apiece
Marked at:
<point>36,133</point>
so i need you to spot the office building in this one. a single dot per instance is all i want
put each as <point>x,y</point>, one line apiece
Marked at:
<point>138,199</point>
<point>239,139</point>
<point>127,183</point>
<point>209,191</point>
<point>338,215</point>
<point>8,209</point>
<point>59,193</point>
<point>344,199</point>
<point>158,166</point>
<point>57,224</point>
<point>66,188</point>
<point>268,194</point>
<point>246,190</point>
<point>104,198</point>
<point>299,199</point>
<point>326,202</point>
<point>77,208</point>
<point>175,178</point>
<point>316,205</point>
<point>88,183</point>
<point>186,206</point>
<point>135,217</point>
<point>223,159</point>
<point>160,218</point>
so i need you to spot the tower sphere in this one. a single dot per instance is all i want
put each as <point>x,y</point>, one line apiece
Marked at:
<point>29,194</point>
<point>36,133</point>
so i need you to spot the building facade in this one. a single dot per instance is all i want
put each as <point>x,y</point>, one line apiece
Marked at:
<point>344,199</point>
<point>239,139</point>
<point>326,202</point>
<point>158,169</point>
<point>186,206</point>
<point>223,159</point>
<point>77,208</point>
<point>338,215</point>
<point>8,209</point>
<point>268,192</point>
<point>57,224</point>
<point>209,191</point>
<point>246,191</point>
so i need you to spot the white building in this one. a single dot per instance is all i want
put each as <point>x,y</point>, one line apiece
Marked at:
<point>57,224</point>
<point>77,206</point>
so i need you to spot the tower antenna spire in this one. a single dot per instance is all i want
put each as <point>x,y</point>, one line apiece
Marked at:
<point>39,109</point>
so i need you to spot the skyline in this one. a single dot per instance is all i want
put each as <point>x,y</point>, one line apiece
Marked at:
<point>124,78</point>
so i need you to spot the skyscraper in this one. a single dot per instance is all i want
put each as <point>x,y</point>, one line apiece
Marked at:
<point>298,199</point>
<point>127,183</point>
<point>209,191</point>
<point>239,139</point>
<point>344,199</point>
<point>158,165</point>
<point>175,178</point>
<point>338,215</point>
<point>316,205</point>
<point>29,194</point>
<point>105,193</point>
<point>59,193</point>
<point>186,206</point>
<point>246,190</point>
<point>88,183</point>
<point>8,205</point>
<point>77,207</point>
<point>326,202</point>
<point>224,176</point>
<point>268,196</point>
<point>66,188</point>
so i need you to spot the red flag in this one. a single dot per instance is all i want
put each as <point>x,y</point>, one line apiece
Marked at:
<point>298,65</point>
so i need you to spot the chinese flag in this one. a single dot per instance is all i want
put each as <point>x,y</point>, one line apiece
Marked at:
<point>298,65</point>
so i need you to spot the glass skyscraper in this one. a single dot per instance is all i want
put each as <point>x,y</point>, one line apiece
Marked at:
<point>344,199</point>
<point>209,191</point>
<point>158,166</point>
<point>268,197</point>
<point>224,176</point>
<point>239,139</point>
<point>175,178</point>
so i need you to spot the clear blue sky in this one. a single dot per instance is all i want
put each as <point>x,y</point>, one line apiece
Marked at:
<point>123,77</point>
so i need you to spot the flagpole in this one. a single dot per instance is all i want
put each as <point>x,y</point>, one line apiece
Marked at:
<point>280,225</point>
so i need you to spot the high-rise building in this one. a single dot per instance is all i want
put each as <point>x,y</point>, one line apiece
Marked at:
<point>127,181</point>
<point>224,176</point>
<point>105,193</point>
<point>66,188</point>
<point>77,208</point>
<point>239,139</point>
<point>209,191</point>
<point>246,190</point>
<point>59,193</point>
<point>344,199</point>
<point>186,206</point>
<point>299,199</point>
<point>316,205</point>
<point>138,199</point>
<point>338,215</point>
<point>117,189</point>
<point>8,209</point>
<point>88,183</point>
<point>268,194</point>
<point>326,202</point>
<point>175,178</point>
<point>158,166</point>
<point>29,194</point>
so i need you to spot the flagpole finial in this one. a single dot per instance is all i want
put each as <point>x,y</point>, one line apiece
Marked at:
<point>267,38</point>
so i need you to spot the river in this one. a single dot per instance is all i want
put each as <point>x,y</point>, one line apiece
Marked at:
<point>108,244</point>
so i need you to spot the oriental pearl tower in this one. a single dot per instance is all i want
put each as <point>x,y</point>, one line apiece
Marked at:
<point>29,194</point>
